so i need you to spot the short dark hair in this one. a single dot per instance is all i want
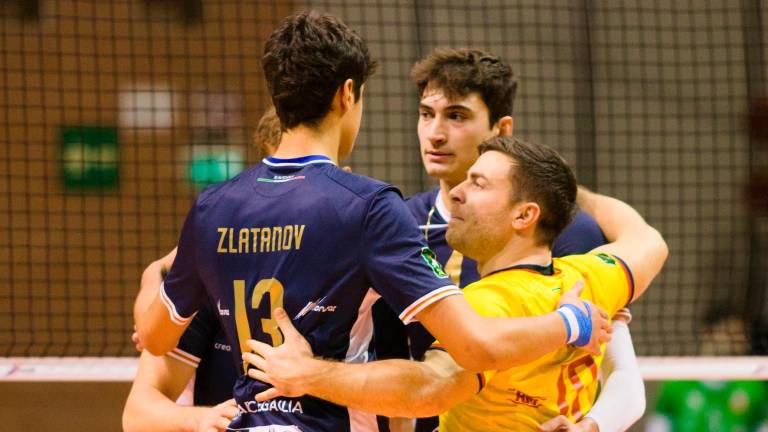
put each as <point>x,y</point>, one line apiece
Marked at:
<point>540,175</point>
<point>459,72</point>
<point>306,59</point>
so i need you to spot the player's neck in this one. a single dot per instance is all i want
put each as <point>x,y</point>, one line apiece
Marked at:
<point>304,141</point>
<point>516,254</point>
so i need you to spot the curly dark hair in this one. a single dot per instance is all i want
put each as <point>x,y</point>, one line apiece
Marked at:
<point>458,72</point>
<point>306,59</point>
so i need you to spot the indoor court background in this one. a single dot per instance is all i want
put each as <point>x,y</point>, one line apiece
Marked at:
<point>649,101</point>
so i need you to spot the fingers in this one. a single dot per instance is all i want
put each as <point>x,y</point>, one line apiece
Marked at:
<point>136,340</point>
<point>624,315</point>
<point>259,348</point>
<point>260,375</point>
<point>268,394</point>
<point>578,287</point>
<point>554,424</point>
<point>285,324</point>
<point>222,424</point>
<point>228,409</point>
<point>255,360</point>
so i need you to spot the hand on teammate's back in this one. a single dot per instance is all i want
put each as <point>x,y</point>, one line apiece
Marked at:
<point>217,418</point>
<point>281,366</point>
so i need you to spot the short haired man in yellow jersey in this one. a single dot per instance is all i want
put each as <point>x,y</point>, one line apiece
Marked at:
<point>516,199</point>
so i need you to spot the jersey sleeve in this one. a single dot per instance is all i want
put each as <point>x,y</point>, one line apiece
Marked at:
<point>579,237</point>
<point>399,265</point>
<point>182,291</point>
<point>197,338</point>
<point>610,280</point>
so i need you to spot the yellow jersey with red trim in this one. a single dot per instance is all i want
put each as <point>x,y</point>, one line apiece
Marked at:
<point>563,382</point>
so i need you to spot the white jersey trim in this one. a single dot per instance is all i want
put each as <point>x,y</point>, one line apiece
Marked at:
<point>174,314</point>
<point>408,315</point>
<point>184,357</point>
<point>287,164</point>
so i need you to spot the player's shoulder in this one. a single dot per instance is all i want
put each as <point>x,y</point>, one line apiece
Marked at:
<point>217,191</point>
<point>359,185</point>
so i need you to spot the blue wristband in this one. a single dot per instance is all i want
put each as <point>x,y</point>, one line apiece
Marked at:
<point>583,320</point>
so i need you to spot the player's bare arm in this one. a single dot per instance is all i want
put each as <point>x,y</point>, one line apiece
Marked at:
<point>638,244</point>
<point>480,343</point>
<point>388,387</point>
<point>157,330</point>
<point>151,407</point>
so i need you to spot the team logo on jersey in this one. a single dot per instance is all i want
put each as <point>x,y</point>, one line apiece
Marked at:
<point>314,306</point>
<point>521,398</point>
<point>431,260</point>
<point>606,258</point>
<point>280,179</point>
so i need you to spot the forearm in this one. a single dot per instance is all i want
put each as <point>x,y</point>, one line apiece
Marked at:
<point>394,388</point>
<point>479,343</point>
<point>147,409</point>
<point>516,341</point>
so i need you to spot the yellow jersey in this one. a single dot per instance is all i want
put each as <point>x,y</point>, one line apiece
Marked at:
<point>563,382</point>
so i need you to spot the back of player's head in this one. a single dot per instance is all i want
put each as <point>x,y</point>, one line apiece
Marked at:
<point>267,135</point>
<point>306,59</point>
<point>459,72</point>
<point>540,175</point>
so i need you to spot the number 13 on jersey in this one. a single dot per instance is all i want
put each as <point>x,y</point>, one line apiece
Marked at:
<point>268,325</point>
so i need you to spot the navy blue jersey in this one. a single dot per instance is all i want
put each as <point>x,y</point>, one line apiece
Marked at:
<point>432,215</point>
<point>204,346</point>
<point>303,235</point>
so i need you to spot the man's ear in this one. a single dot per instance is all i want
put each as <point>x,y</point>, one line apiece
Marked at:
<point>346,94</point>
<point>505,125</point>
<point>526,215</point>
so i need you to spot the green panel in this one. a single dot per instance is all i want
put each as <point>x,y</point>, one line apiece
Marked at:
<point>208,166</point>
<point>90,157</point>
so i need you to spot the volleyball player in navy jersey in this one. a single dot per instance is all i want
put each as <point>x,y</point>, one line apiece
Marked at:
<point>199,371</point>
<point>296,233</point>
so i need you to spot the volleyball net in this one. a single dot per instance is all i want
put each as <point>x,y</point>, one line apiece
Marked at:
<point>115,114</point>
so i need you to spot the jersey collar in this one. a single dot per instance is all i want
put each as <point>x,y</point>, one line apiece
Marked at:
<point>442,209</point>
<point>299,161</point>
<point>546,270</point>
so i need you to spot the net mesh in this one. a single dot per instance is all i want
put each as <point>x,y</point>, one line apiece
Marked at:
<point>115,113</point>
